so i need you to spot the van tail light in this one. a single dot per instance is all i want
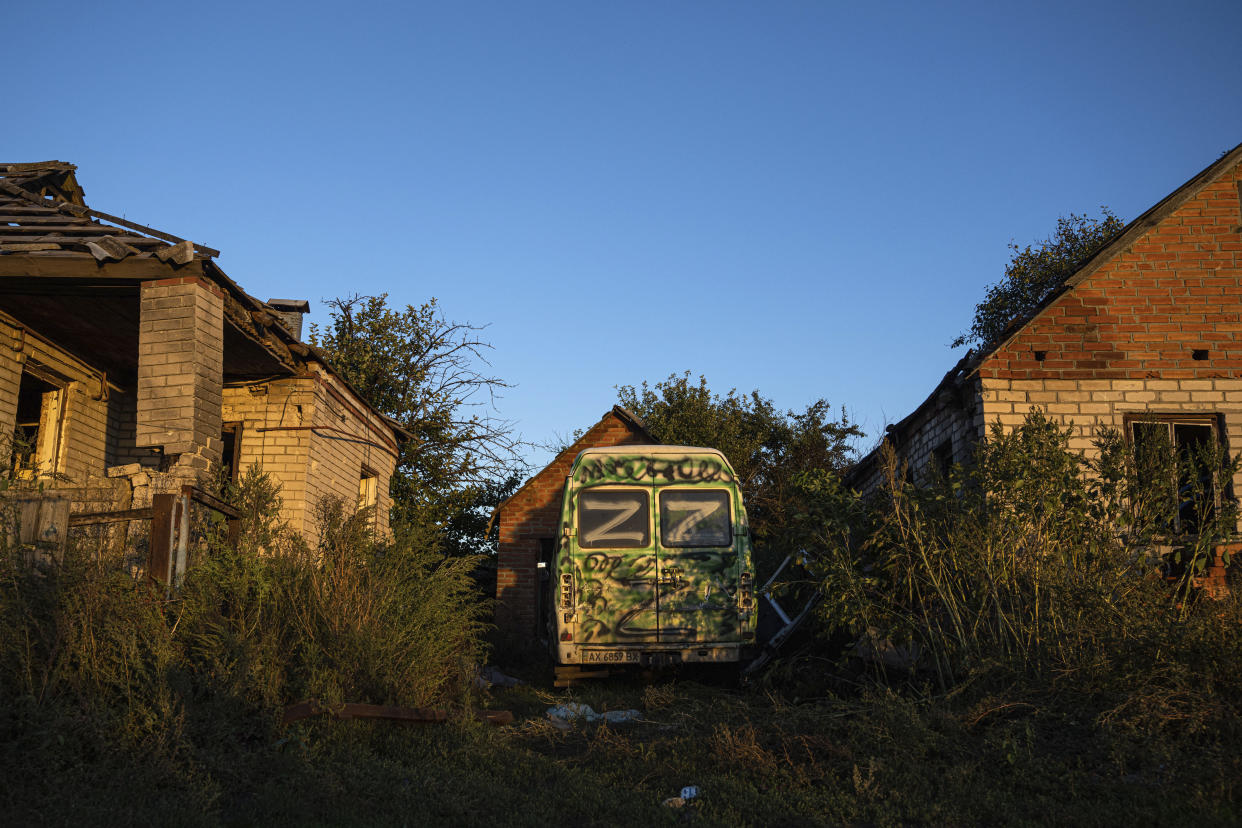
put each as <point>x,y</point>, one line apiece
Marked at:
<point>567,636</point>
<point>746,597</point>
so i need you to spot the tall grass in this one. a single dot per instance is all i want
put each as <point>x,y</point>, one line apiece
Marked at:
<point>1032,564</point>
<point>102,665</point>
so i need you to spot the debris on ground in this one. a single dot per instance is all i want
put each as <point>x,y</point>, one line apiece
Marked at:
<point>488,677</point>
<point>563,715</point>
<point>687,793</point>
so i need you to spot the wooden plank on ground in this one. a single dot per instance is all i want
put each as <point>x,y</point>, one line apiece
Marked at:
<point>111,516</point>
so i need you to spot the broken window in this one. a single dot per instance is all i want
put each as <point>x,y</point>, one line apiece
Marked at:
<point>230,454</point>
<point>40,415</point>
<point>1180,456</point>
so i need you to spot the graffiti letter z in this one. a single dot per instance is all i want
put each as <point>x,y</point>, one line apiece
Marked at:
<point>605,534</point>
<point>697,512</point>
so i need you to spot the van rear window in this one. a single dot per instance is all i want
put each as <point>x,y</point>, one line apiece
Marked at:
<point>695,518</point>
<point>613,519</point>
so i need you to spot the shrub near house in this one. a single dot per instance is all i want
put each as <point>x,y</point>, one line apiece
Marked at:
<point>1144,337</point>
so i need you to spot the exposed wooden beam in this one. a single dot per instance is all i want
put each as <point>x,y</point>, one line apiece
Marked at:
<point>246,324</point>
<point>60,264</point>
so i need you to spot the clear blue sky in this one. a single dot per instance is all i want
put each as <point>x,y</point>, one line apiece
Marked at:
<point>806,198</point>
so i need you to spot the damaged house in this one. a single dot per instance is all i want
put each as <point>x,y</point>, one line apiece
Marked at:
<point>529,522</point>
<point>132,366</point>
<point>1145,337</point>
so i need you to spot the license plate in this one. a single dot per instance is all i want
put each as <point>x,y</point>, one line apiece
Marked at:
<point>609,656</point>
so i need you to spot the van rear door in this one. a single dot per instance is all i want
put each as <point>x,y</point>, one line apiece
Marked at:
<point>697,553</point>
<point>616,566</point>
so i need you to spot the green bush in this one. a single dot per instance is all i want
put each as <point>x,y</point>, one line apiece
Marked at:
<point>352,620</point>
<point>102,665</point>
<point>1032,564</point>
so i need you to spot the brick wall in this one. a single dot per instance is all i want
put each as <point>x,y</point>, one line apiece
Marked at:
<point>351,439</point>
<point>1143,314</point>
<point>122,447</point>
<point>180,366</point>
<point>533,514</point>
<point>950,418</point>
<point>282,454</point>
<point>83,447</point>
<point>276,434</point>
<point>1153,330</point>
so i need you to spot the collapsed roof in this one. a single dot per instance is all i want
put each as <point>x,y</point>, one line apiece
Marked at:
<point>74,274</point>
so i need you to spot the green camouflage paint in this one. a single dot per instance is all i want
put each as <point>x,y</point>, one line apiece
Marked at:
<point>627,581</point>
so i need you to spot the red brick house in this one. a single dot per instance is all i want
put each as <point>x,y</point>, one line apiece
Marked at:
<point>1149,329</point>
<point>529,525</point>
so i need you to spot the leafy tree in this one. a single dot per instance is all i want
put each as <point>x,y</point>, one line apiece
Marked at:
<point>428,374</point>
<point>767,447</point>
<point>1035,272</point>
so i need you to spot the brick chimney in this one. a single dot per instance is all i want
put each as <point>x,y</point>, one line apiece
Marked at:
<point>291,312</point>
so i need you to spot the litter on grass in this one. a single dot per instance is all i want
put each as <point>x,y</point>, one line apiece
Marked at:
<point>488,677</point>
<point>687,793</point>
<point>563,715</point>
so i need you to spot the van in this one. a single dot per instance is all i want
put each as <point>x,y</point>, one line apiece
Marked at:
<point>653,563</point>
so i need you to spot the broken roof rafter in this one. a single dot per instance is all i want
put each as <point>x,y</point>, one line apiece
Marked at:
<point>56,206</point>
<point>47,220</point>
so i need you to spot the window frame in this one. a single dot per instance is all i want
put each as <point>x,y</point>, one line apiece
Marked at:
<point>673,490</point>
<point>1213,419</point>
<point>368,488</point>
<point>44,458</point>
<point>645,491</point>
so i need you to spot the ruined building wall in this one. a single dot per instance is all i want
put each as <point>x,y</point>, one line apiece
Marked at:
<point>1155,330</point>
<point>531,516</point>
<point>117,447</point>
<point>73,419</point>
<point>350,443</point>
<point>181,372</point>
<point>946,428</point>
<point>262,408</point>
<point>316,439</point>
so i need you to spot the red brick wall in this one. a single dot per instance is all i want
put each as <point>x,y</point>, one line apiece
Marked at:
<point>1176,289</point>
<point>1122,341</point>
<point>532,513</point>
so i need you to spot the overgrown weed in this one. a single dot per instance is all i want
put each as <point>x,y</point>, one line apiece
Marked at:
<point>1083,688</point>
<point>97,667</point>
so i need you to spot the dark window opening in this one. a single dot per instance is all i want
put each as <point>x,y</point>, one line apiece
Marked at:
<point>543,587</point>
<point>944,457</point>
<point>1179,452</point>
<point>230,456</point>
<point>33,393</point>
